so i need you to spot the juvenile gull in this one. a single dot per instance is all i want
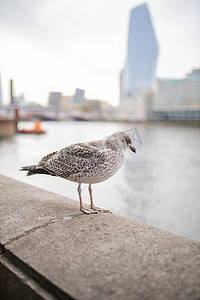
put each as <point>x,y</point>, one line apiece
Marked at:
<point>89,163</point>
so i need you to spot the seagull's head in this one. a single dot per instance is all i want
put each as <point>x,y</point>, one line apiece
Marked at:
<point>121,140</point>
<point>128,142</point>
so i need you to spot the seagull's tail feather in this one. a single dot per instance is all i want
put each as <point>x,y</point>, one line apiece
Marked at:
<point>32,170</point>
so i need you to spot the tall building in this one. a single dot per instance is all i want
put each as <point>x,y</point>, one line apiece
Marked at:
<point>178,99</point>
<point>11,91</point>
<point>137,78</point>
<point>54,99</point>
<point>15,100</point>
<point>78,98</point>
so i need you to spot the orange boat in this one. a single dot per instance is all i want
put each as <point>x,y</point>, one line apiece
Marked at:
<point>37,129</point>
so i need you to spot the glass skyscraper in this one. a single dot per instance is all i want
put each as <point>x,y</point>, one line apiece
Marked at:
<point>142,51</point>
<point>137,78</point>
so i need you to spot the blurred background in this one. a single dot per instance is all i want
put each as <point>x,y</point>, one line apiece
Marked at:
<point>73,71</point>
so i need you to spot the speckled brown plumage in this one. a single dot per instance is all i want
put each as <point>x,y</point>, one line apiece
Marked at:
<point>90,163</point>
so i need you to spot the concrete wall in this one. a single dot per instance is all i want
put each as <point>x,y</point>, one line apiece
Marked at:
<point>50,250</point>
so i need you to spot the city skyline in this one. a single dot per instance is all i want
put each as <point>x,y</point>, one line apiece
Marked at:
<point>60,46</point>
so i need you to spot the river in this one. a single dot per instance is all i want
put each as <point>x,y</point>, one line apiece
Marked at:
<point>159,185</point>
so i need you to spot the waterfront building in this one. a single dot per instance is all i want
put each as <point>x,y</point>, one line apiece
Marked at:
<point>137,78</point>
<point>78,97</point>
<point>54,99</point>
<point>178,99</point>
<point>18,100</point>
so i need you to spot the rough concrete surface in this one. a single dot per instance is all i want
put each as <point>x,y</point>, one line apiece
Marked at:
<point>69,255</point>
<point>24,207</point>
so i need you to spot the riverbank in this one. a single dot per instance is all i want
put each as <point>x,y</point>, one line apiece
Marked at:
<point>50,250</point>
<point>126,122</point>
<point>157,122</point>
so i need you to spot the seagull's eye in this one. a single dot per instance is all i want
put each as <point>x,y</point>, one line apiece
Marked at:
<point>128,140</point>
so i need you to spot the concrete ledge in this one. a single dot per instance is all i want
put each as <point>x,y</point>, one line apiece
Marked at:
<point>49,250</point>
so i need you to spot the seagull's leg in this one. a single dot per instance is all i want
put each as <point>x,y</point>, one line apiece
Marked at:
<point>92,204</point>
<point>84,210</point>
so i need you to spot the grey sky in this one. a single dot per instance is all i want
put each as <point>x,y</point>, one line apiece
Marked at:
<point>61,44</point>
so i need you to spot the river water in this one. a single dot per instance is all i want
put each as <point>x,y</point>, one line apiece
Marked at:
<point>159,185</point>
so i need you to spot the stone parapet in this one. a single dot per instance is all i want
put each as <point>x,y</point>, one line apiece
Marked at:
<point>50,250</point>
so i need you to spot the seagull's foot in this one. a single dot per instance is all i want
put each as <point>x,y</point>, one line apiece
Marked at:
<point>88,211</point>
<point>95,208</point>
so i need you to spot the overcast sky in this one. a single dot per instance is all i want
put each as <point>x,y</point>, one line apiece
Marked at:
<point>60,45</point>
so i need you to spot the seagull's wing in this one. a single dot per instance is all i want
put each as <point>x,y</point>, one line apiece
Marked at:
<point>73,159</point>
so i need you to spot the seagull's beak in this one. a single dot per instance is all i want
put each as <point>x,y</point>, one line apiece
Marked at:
<point>132,148</point>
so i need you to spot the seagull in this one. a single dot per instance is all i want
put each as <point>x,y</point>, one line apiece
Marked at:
<point>88,163</point>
